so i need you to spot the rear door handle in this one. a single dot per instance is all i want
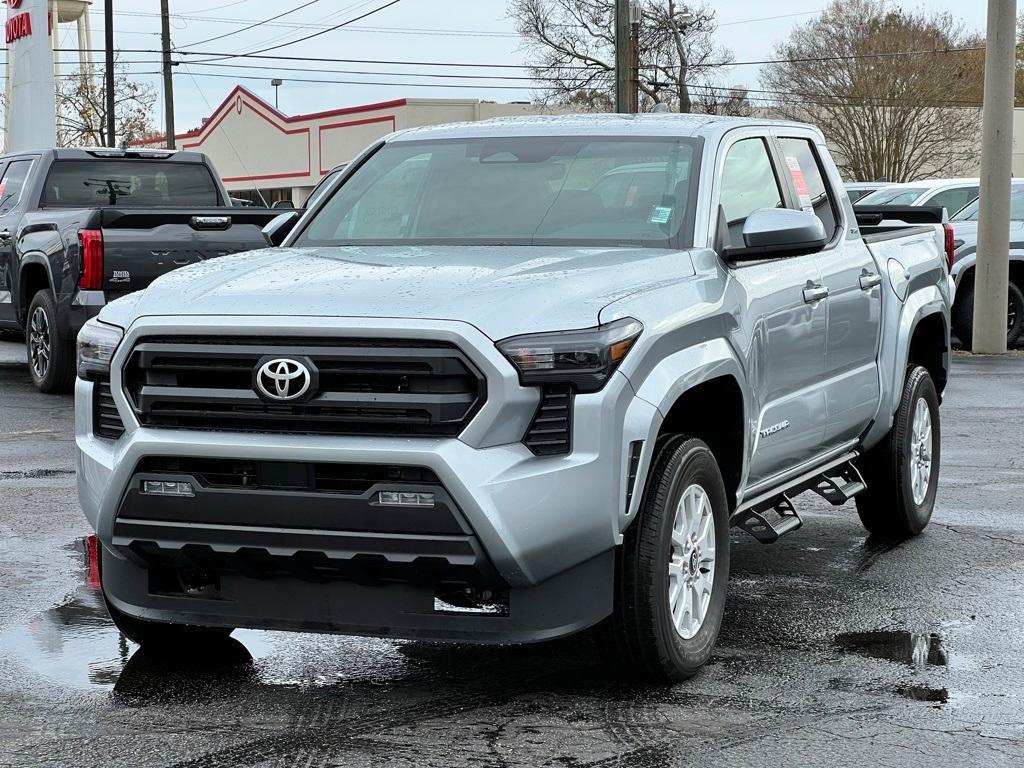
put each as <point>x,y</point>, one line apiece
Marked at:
<point>869,280</point>
<point>815,293</point>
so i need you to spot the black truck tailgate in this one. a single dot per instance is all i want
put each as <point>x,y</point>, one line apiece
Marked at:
<point>139,245</point>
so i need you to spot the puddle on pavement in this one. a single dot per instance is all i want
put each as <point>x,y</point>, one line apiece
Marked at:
<point>924,693</point>
<point>915,649</point>
<point>76,645</point>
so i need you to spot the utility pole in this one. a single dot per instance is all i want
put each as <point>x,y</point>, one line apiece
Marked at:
<point>165,40</point>
<point>108,36</point>
<point>622,57</point>
<point>992,271</point>
<point>636,15</point>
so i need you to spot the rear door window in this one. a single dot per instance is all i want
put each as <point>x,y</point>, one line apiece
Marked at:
<point>130,183</point>
<point>812,190</point>
<point>12,183</point>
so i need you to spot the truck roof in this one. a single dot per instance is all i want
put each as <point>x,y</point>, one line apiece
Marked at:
<point>654,124</point>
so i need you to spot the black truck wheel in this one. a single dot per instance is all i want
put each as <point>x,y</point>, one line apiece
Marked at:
<point>672,569</point>
<point>158,636</point>
<point>51,357</point>
<point>902,471</point>
<point>963,314</point>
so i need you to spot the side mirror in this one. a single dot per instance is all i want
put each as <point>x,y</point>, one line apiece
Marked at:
<point>771,233</point>
<point>278,228</point>
<point>283,204</point>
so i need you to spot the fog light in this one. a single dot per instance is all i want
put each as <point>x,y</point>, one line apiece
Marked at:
<point>162,488</point>
<point>405,499</point>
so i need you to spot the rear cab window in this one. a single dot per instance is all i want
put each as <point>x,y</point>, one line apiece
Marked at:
<point>132,183</point>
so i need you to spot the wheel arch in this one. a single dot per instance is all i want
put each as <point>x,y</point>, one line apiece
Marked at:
<point>33,276</point>
<point>699,391</point>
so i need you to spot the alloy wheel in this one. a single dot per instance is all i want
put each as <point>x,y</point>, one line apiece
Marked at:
<point>920,451</point>
<point>691,567</point>
<point>39,343</point>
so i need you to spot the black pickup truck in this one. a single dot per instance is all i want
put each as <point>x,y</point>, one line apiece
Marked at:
<point>80,227</point>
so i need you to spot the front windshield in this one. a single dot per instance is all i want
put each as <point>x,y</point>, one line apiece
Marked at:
<point>893,196</point>
<point>540,190</point>
<point>970,211</point>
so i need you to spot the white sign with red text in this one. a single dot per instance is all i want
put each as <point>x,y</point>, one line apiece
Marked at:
<point>32,113</point>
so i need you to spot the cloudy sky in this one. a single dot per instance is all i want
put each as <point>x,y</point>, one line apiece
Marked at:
<point>434,31</point>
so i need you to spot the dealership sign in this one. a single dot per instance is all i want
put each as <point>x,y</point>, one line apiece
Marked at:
<point>19,25</point>
<point>32,112</point>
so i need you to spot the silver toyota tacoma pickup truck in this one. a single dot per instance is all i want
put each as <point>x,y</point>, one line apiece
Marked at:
<point>512,380</point>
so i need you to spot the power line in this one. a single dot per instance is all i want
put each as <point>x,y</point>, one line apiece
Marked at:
<point>767,18</point>
<point>310,36</point>
<point>429,31</point>
<point>256,24</point>
<point>487,65</point>
<point>477,86</point>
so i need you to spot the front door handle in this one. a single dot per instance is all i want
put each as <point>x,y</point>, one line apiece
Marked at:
<point>815,293</point>
<point>869,280</point>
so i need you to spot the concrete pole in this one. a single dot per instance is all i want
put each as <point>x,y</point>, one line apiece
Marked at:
<point>55,38</point>
<point>992,272</point>
<point>622,57</point>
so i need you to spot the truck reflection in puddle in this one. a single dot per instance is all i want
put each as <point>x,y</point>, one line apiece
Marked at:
<point>75,644</point>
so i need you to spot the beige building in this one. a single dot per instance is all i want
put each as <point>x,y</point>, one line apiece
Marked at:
<point>260,151</point>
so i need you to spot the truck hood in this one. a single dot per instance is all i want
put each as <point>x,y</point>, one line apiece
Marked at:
<point>502,290</point>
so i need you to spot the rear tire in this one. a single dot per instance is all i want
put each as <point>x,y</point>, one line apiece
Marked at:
<point>672,570</point>
<point>51,356</point>
<point>902,472</point>
<point>963,314</point>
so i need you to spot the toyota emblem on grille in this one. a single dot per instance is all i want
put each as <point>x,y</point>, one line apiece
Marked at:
<point>283,378</point>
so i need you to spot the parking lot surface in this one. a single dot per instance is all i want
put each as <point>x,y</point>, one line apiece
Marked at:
<point>837,648</point>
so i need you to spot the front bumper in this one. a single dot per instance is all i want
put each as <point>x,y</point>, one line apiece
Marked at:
<point>547,525</point>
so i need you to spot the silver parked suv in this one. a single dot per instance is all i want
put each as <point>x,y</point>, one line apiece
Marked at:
<point>511,380</point>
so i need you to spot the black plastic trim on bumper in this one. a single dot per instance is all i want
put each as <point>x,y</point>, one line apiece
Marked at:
<point>564,604</point>
<point>292,509</point>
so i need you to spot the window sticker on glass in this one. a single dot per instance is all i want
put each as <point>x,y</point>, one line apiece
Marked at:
<point>660,214</point>
<point>799,183</point>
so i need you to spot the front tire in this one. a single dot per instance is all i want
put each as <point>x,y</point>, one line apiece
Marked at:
<point>51,358</point>
<point>902,472</point>
<point>159,636</point>
<point>672,569</point>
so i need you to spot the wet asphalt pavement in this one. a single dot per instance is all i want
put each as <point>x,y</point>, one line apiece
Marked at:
<point>837,649</point>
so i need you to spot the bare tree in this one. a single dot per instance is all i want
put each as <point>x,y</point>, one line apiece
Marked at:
<point>82,110</point>
<point>733,101</point>
<point>888,87</point>
<point>572,45</point>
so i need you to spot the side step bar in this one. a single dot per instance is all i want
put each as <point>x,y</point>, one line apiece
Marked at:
<point>771,514</point>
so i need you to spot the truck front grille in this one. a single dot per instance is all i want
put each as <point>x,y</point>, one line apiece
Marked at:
<point>381,387</point>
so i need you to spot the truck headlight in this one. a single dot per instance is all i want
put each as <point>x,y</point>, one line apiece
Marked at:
<point>97,343</point>
<point>583,358</point>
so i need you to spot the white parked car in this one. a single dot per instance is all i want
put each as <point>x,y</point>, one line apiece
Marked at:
<point>951,194</point>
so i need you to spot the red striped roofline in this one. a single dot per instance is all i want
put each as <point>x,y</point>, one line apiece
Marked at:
<point>240,89</point>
